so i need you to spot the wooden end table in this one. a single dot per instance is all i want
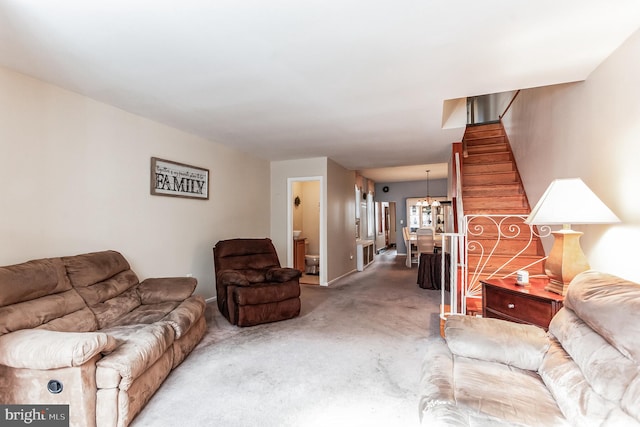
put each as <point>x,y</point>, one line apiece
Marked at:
<point>531,304</point>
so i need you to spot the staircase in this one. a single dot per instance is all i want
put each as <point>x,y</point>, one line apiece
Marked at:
<point>498,241</point>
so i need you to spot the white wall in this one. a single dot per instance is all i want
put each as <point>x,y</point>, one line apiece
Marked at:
<point>589,130</point>
<point>75,178</point>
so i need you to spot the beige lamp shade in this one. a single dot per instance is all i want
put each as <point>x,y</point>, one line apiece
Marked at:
<point>570,201</point>
<point>566,202</point>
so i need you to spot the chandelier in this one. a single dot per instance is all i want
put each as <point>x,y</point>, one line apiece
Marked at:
<point>427,201</point>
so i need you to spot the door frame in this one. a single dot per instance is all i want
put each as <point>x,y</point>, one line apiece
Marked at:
<point>322,226</point>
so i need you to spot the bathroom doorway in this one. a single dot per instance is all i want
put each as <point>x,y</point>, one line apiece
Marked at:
<point>306,228</point>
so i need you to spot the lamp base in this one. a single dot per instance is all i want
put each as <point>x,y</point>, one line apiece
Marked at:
<point>557,287</point>
<point>565,261</point>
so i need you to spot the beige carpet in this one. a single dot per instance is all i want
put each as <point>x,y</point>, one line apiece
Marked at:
<point>352,358</point>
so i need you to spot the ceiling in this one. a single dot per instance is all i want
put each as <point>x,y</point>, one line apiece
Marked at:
<point>359,81</point>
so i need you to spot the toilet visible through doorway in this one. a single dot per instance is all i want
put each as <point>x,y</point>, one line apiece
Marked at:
<point>312,264</point>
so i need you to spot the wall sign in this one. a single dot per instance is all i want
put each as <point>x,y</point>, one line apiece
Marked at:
<point>178,180</point>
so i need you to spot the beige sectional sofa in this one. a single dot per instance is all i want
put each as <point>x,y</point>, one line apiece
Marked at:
<point>82,330</point>
<point>584,372</point>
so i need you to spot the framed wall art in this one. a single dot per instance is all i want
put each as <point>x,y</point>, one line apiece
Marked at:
<point>175,179</point>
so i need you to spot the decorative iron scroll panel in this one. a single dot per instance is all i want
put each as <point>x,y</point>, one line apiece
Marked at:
<point>497,244</point>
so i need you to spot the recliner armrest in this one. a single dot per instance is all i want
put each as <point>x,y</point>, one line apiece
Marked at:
<point>232,277</point>
<point>495,340</point>
<point>154,291</point>
<point>44,349</point>
<point>282,274</point>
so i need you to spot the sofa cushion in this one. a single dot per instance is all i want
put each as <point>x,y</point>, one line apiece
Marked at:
<point>109,312</point>
<point>482,393</point>
<point>146,314</point>
<point>106,283</point>
<point>31,314</point>
<point>109,288</point>
<point>573,394</point>
<point>87,269</point>
<point>140,346</point>
<point>82,320</point>
<point>31,280</point>
<point>610,306</point>
<point>180,315</point>
<point>604,367</point>
<point>497,340</point>
<point>153,291</point>
<point>37,292</point>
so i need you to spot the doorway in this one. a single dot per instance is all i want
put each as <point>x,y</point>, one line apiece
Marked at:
<point>390,220</point>
<point>385,225</point>
<point>306,216</point>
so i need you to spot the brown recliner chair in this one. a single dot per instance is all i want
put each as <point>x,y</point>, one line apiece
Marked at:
<point>251,286</point>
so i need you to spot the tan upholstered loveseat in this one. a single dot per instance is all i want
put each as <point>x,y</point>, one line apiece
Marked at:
<point>584,372</point>
<point>85,328</point>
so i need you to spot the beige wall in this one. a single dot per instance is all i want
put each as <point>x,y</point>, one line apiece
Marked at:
<point>282,172</point>
<point>75,176</point>
<point>298,211</point>
<point>341,226</point>
<point>380,221</point>
<point>306,216</point>
<point>589,130</point>
<point>311,215</point>
<point>337,214</point>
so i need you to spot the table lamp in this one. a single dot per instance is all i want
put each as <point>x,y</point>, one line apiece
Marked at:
<point>566,202</point>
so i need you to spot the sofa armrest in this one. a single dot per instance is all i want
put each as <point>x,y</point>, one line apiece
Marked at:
<point>43,349</point>
<point>186,315</point>
<point>495,340</point>
<point>282,274</point>
<point>154,291</point>
<point>445,415</point>
<point>437,392</point>
<point>436,381</point>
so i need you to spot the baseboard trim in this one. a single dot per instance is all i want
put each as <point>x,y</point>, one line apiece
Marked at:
<point>340,277</point>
